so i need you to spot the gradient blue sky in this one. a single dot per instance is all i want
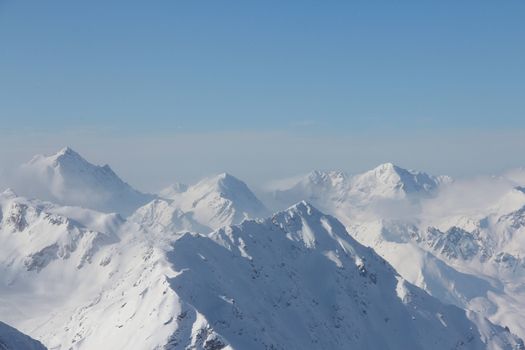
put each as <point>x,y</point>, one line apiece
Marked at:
<point>346,70</point>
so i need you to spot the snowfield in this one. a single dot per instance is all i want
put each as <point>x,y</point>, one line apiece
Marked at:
<point>404,260</point>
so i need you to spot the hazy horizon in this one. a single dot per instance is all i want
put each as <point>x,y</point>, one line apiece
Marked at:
<point>264,90</point>
<point>150,163</point>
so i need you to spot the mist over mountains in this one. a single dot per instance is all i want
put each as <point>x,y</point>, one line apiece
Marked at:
<point>391,258</point>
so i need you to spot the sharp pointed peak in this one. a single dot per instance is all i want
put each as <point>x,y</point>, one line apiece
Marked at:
<point>303,208</point>
<point>67,152</point>
<point>224,179</point>
<point>226,176</point>
<point>223,183</point>
<point>388,167</point>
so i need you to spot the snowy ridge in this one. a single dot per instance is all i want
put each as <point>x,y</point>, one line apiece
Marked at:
<point>34,235</point>
<point>301,267</point>
<point>239,287</point>
<point>84,293</point>
<point>206,267</point>
<point>464,251</point>
<point>69,179</point>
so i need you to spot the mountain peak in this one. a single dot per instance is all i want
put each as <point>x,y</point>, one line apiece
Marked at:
<point>387,169</point>
<point>227,180</point>
<point>67,178</point>
<point>67,153</point>
<point>303,209</point>
<point>224,175</point>
<point>213,202</point>
<point>321,177</point>
<point>304,223</point>
<point>224,183</point>
<point>388,166</point>
<point>220,200</point>
<point>390,180</point>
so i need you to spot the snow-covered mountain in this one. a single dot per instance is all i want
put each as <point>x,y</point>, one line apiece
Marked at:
<point>12,339</point>
<point>324,189</point>
<point>461,242</point>
<point>68,179</point>
<point>217,201</point>
<point>393,182</point>
<point>44,250</point>
<point>293,281</point>
<point>302,282</point>
<point>176,274</point>
<point>335,189</point>
<point>73,277</point>
<point>456,265</point>
<point>35,233</point>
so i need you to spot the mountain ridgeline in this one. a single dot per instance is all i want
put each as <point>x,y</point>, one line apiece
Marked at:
<point>366,261</point>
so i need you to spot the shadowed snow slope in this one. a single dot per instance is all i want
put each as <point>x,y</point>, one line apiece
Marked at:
<point>11,339</point>
<point>461,241</point>
<point>470,257</point>
<point>69,179</point>
<point>299,281</point>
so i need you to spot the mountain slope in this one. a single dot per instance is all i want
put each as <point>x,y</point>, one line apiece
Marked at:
<point>34,234</point>
<point>44,249</point>
<point>12,339</point>
<point>298,281</point>
<point>294,281</point>
<point>461,242</point>
<point>162,216</point>
<point>69,179</point>
<point>73,277</point>
<point>219,201</point>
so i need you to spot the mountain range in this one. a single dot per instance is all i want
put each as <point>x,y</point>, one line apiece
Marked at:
<point>88,262</point>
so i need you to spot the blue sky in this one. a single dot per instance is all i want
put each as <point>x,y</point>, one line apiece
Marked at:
<point>343,69</point>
